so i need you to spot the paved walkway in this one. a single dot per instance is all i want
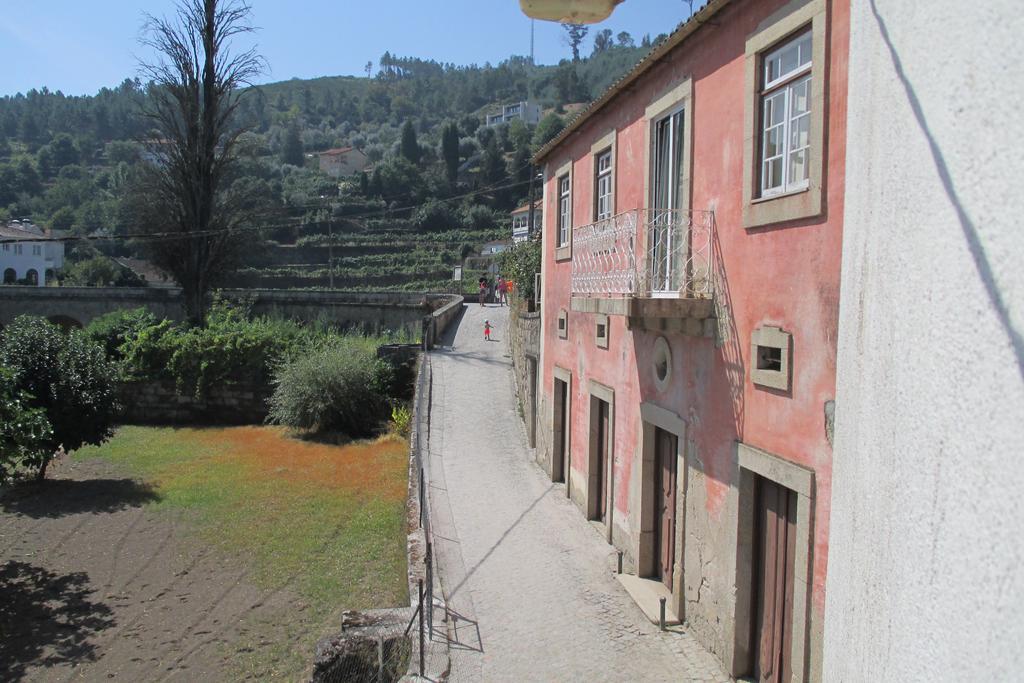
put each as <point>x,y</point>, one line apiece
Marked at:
<point>530,579</point>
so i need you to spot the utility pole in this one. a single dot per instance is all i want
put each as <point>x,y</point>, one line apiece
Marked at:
<point>530,226</point>
<point>532,61</point>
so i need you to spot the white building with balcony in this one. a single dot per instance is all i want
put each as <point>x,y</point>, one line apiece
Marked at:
<point>521,221</point>
<point>526,110</point>
<point>28,255</point>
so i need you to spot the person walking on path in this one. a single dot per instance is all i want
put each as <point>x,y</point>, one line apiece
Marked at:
<point>487,330</point>
<point>502,289</point>
<point>483,290</point>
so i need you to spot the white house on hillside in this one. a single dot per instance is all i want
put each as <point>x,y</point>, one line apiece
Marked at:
<point>527,111</point>
<point>342,162</point>
<point>28,254</point>
<point>521,221</point>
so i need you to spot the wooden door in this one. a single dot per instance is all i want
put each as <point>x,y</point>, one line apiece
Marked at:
<point>602,458</point>
<point>559,461</point>
<point>665,449</point>
<point>775,531</point>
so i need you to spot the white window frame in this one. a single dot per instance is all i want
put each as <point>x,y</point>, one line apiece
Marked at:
<point>665,213</point>
<point>17,248</point>
<point>603,185</point>
<point>37,250</point>
<point>779,89</point>
<point>564,210</point>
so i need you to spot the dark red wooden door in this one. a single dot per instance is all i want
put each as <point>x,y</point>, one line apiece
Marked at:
<point>602,456</point>
<point>560,463</point>
<point>776,538</point>
<point>665,447</point>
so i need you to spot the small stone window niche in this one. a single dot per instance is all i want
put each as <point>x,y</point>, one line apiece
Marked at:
<point>563,324</point>
<point>661,364</point>
<point>601,331</point>
<point>770,353</point>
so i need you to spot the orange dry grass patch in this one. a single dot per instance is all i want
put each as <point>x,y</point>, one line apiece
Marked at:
<point>267,453</point>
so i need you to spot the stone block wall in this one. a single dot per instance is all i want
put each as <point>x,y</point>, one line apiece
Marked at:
<point>157,402</point>
<point>524,343</point>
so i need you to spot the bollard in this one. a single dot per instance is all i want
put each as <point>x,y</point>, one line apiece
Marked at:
<point>662,621</point>
<point>422,673</point>
<point>620,561</point>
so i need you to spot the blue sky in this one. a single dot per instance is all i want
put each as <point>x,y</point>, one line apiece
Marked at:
<point>79,46</point>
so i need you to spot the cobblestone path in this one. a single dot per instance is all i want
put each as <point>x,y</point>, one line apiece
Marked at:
<point>529,579</point>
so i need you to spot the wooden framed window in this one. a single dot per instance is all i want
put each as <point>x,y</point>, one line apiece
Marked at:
<point>564,210</point>
<point>786,117</point>
<point>603,185</point>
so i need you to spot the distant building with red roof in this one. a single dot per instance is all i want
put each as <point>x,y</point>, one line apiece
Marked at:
<point>342,161</point>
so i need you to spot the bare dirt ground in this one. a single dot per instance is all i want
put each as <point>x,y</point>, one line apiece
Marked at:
<point>95,584</point>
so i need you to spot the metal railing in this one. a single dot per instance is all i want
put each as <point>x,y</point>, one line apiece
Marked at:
<point>419,443</point>
<point>645,252</point>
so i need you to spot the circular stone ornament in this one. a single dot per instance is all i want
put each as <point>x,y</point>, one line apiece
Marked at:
<point>661,363</point>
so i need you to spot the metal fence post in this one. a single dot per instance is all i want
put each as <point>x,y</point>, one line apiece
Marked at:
<point>422,672</point>
<point>662,620</point>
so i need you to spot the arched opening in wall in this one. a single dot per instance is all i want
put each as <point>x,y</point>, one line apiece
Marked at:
<point>32,277</point>
<point>65,322</point>
<point>10,277</point>
<point>48,276</point>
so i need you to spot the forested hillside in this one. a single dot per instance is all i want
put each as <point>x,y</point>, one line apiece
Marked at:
<point>437,175</point>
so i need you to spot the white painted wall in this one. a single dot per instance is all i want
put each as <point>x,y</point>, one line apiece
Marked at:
<point>21,257</point>
<point>926,557</point>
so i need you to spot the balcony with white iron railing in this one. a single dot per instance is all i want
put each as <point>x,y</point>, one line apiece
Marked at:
<point>650,265</point>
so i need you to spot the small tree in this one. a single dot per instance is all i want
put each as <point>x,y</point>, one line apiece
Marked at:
<point>410,147</point>
<point>574,35</point>
<point>291,149</point>
<point>603,40</point>
<point>67,377</point>
<point>450,151</point>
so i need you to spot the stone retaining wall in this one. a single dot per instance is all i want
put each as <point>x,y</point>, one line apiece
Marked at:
<point>157,402</point>
<point>524,343</point>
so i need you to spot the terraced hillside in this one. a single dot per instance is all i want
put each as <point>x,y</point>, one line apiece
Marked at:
<point>371,256</point>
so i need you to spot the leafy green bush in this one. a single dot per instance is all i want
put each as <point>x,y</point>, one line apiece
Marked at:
<point>520,264</point>
<point>113,329</point>
<point>401,420</point>
<point>339,385</point>
<point>434,216</point>
<point>230,349</point>
<point>479,217</point>
<point>25,433</point>
<point>67,376</point>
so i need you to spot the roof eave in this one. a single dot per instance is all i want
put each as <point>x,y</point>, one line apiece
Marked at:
<point>682,32</point>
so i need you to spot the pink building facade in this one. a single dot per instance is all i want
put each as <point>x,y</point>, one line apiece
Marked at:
<point>692,245</point>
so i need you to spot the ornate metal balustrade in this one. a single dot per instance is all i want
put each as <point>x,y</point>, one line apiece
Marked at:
<point>645,253</point>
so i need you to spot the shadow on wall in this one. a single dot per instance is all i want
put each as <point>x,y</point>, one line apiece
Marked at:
<point>58,497</point>
<point>727,339</point>
<point>46,619</point>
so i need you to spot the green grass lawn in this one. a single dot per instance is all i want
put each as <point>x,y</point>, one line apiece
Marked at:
<point>326,522</point>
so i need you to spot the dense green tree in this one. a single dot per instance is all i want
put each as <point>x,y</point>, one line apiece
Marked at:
<point>67,376</point>
<point>625,40</point>
<point>450,151</point>
<point>410,147</point>
<point>291,149</point>
<point>25,433</point>
<point>549,126</point>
